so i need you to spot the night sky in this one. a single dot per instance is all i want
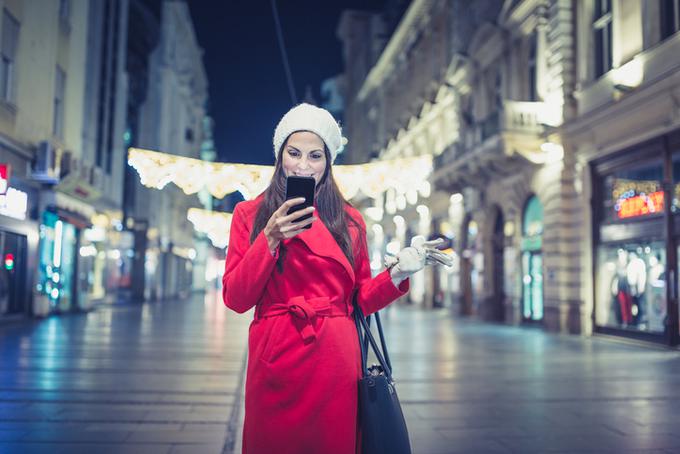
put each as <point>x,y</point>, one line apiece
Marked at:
<point>248,88</point>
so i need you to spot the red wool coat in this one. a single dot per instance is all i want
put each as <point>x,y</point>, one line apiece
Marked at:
<point>304,358</point>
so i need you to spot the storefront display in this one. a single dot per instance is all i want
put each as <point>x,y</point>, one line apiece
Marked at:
<point>56,271</point>
<point>92,266</point>
<point>472,269</point>
<point>118,268</point>
<point>152,278</point>
<point>18,244</point>
<point>510,275</point>
<point>449,279</point>
<point>637,238</point>
<point>532,261</point>
<point>632,286</point>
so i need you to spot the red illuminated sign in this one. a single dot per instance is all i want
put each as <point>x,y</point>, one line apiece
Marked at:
<point>640,205</point>
<point>5,173</point>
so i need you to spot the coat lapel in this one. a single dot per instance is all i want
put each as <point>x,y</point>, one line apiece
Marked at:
<point>320,241</point>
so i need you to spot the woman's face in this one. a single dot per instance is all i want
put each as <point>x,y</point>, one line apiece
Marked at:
<point>303,155</point>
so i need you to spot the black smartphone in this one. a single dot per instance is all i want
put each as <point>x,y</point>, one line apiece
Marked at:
<point>301,187</point>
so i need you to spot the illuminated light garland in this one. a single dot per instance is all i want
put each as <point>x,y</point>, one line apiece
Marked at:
<point>215,224</point>
<point>375,178</point>
<point>157,169</point>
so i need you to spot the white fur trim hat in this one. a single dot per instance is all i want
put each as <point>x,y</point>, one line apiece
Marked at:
<point>306,117</point>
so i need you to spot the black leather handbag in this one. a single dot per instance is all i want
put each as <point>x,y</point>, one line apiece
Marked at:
<point>383,428</point>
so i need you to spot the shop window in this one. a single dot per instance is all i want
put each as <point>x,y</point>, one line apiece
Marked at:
<point>57,261</point>
<point>532,260</point>
<point>631,286</point>
<point>602,35</point>
<point>471,267</point>
<point>670,17</point>
<point>476,255</point>
<point>633,193</point>
<point>532,285</point>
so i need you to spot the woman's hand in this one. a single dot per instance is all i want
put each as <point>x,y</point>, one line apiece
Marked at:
<point>414,258</point>
<point>281,225</point>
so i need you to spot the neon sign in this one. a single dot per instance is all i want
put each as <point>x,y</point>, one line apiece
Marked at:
<point>640,205</point>
<point>5,173</point>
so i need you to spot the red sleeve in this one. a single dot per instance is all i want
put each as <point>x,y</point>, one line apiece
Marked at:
<point>248,266</point>
<point>377,292</point>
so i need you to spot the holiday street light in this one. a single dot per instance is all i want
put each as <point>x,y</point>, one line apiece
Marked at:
<point>372,179</point>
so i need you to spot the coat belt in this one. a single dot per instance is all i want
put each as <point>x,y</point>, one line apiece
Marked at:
<point>304,311</point>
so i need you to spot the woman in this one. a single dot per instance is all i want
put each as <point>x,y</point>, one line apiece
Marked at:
<point>304,358</point>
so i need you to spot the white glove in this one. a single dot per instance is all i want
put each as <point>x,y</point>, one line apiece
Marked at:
<point>414,258</point>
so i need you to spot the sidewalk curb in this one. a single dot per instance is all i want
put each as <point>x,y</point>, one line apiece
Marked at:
<point>235,417</point>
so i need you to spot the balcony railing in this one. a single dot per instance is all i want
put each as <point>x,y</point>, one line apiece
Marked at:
<point>526,117</point>
<point>514,117</point>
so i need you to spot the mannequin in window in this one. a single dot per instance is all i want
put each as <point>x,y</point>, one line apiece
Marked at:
<point>622,298</point>
<point>636,274</point>
<point>655,309</point>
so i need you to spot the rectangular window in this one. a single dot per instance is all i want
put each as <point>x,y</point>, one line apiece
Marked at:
<point>670,17</point>
<point>533,44</point>
<point>59,89</point>
<point>8,50</point>
<point>602,34</point>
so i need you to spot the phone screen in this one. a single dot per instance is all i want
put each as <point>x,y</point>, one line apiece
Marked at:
<point>301,187</point>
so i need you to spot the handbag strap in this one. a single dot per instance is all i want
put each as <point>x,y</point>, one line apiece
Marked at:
<point>382,340</point>
<point>362,342</point>
<point>360,321</point>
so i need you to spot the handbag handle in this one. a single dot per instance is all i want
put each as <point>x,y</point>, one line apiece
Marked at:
<point>360,321</point>
<point>362,343</point>
<point>382,338</point>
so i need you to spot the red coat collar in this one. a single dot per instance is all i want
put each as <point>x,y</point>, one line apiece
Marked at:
<point>318,239</point>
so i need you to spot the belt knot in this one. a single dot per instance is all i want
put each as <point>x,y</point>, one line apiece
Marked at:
<point>304,314</point>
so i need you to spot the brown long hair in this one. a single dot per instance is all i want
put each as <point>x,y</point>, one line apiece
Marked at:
<point>330,208</point>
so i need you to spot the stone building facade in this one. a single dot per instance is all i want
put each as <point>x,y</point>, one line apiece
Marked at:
<point>526,107</point>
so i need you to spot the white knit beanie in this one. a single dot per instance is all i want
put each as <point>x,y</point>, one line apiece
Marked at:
<point>306,117</point>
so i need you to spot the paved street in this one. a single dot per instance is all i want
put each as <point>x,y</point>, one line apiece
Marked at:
<point>157,378</point>
<point>166,378</point>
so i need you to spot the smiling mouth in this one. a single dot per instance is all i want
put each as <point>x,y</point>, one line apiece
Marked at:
<point>303,174</point>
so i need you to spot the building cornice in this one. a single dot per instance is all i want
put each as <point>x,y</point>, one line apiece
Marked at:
<point>523,15</point>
